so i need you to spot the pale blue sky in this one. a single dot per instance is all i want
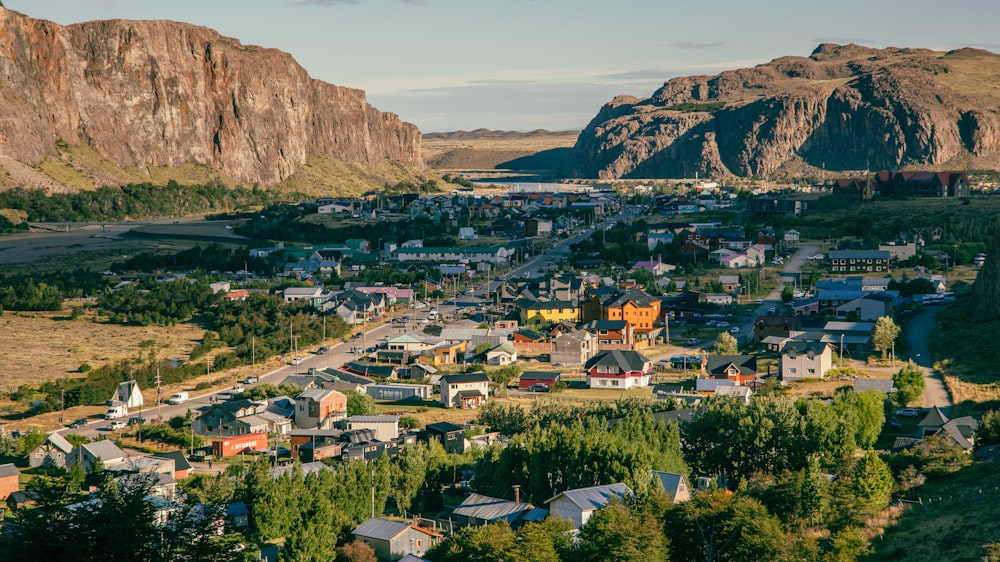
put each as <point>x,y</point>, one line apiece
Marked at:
<point>446,65</point>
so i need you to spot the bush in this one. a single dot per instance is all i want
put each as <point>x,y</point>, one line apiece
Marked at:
<point>84,368</point>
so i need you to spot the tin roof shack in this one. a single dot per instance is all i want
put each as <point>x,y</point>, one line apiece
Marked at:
<point>392,540</point>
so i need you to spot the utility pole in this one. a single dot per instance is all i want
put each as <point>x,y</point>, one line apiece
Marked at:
<point>62,405</point>
<point>373,493</point>
<point>253,352</point>
<point>158,392</point>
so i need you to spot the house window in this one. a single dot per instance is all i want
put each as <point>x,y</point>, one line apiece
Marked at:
<point>812,371</point>
<point>791,370</point>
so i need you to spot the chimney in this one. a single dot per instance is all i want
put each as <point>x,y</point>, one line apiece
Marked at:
<point>517,493</point>
<point>659,258</point>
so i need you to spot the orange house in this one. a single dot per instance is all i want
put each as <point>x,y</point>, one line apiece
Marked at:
<point>635,307</point>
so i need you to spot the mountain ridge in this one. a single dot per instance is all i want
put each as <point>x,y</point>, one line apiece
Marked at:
<point>145,94</point>
<point>844,107</point>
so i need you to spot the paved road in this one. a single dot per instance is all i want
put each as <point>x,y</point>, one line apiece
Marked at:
<point>918,336</point>
<point>338,354</point>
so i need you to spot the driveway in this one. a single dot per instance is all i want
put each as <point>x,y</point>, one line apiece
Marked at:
<point>918,336</point>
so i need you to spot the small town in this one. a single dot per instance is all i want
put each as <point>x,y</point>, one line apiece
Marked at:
<point>429,362</point>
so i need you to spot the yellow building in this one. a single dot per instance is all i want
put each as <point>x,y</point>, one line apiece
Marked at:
<point>540,314</point>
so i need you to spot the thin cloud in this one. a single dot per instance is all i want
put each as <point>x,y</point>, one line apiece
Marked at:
<point>844,40</point>
<point>349,2</point>
<point>697,45</point>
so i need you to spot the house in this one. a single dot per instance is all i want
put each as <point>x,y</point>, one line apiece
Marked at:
<point>656,267</point>
<point>618,369</point>
<point>228,419</point>
<point>573,348</point>
<point>399,392</point>
<point>311,445</point>
<point>87,454</point>
<point>503,354</point>
<point>541,314</point>
<point>467,233</point>
<point>531,378</point>
<point>855,261</point>
<point>127,393</point>
<point>884,386</point>
<point>960,431</point>
<point>805,360</point>
<point>537,227</point>
<point>775,326</point>
<point>182,468</point>
<point>483,510</point>
<point>451,436</point>
<point>742,393</point>
<point>674,484</point>
<point>393,540</point>
<point>730,283</point>
<point>735,261</point>
<point>740,369</point>
<point>792,236</point>
<point>612,334</point>
<point>10,480</point>
<point>578,505</point>
<point>50,452</point>
<point>867,308</point>
<point>319,408</point>
<point>633,305</point>
<point>385,428</point>
<point>467,390</point>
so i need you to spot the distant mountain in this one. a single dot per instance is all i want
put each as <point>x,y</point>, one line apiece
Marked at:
<point>537,151</point>
<point>845,107</point>
<point>106,102</point>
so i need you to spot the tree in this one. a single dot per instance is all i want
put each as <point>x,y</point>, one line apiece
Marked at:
<point>726,344</point>
<point>495,541</point>
<point>909,383</point>
<point>884,334</point>
<point>618,533</point>
<point>548,540</point>
<point>359,404</point>
<point>508,419</point>
<point>356,551</point>
<point>715,526</point>
<point>989,429</point>
<point>871,483</point>
<point>787,294</point>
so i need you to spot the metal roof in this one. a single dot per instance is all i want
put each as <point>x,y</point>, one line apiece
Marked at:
<point>381,529</point>
<point>595,497</point>
<point>9,470</point>
<point>485,508</point>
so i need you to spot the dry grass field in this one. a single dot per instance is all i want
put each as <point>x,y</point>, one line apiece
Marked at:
<point>41,346</point>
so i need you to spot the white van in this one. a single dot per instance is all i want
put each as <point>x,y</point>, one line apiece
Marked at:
<point>115,412</point>
<point>432,315</point>
<point>179,398</point>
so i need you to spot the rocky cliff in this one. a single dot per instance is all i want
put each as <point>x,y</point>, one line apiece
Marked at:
<point>842,108</point>
<point>144,94</point>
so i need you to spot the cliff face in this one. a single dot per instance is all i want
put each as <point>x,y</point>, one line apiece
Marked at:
<point>159,93</point>
<point>842,108</point>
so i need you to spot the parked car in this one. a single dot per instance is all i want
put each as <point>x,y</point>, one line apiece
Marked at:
<point>322,350</point>
<point>136,420</point>
<point>296,361</point>
<point>722,324</point>
<point>538,387</point>
<point>78,423</point>
<point>693,341</point>
<point>895,423</point>
<point>237,389</point>
<point>116,425</point>
<point>908,412</point>
<point>734,330</point>
<point>251,379</point>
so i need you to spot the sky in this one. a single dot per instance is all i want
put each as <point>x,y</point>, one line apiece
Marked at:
<point>447,65</point>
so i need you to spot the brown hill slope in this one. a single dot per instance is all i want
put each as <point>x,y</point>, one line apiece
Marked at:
<point>842,108</point>
<point>483,149</point>
<point>149,94</point>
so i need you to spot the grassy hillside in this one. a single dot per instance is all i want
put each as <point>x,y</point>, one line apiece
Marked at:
<point>959,516</point>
